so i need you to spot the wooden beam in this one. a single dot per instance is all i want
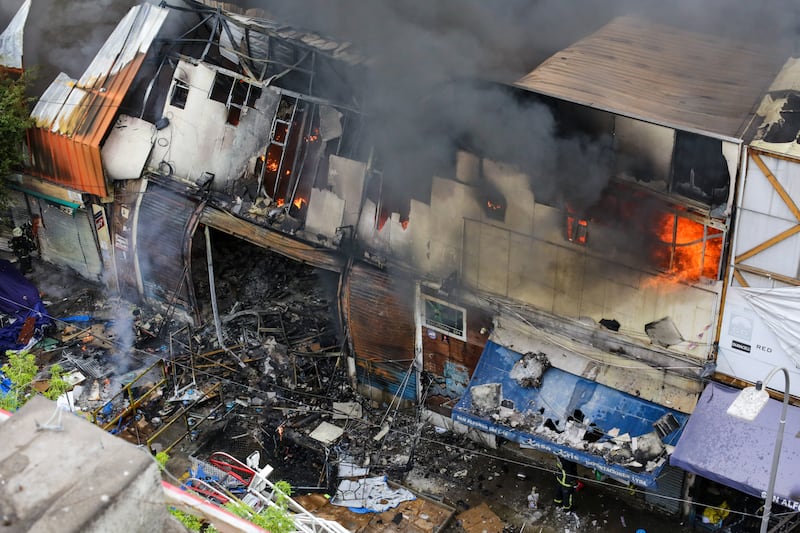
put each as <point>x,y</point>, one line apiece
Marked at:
<point>738,276</point>
<point>776,185</point>
<point>782,236</point>
<point>766,274</point>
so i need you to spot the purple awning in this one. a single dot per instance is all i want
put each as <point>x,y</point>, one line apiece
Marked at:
<point>19,299</point>
<point>737,453</point>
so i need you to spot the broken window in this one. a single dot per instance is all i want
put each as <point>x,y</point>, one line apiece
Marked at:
<point>700,171</point>
<point>444,318</point>
<point>577,227</point>
<point>688,249</point>
<point>180,92</point>
<point>235,93</point>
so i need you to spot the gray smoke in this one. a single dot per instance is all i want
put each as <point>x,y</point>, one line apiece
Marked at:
<point>428,93</point>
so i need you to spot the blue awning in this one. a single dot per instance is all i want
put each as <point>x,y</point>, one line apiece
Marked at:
<point>737,453</point>
<point>536,417</point>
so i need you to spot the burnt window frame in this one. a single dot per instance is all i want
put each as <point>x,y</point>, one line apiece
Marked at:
<point>226,89</point>
<point>710,233</point>
<point>441,326</point>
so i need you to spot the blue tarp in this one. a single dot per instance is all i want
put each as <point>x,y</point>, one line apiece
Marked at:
<point>19,299</point>
<point>562,395</point>
<point>737,453</point>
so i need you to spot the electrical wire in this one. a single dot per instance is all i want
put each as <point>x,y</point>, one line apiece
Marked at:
<point>554,339</point>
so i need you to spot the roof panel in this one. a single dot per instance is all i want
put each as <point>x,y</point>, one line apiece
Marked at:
<point>52,101</point>
<point>684,80</point>
<point>11,38</point>
<point>133,35</point>
<point>778,116</point>
<point>77,115</point>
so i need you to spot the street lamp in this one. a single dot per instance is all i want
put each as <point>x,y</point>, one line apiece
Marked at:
<point>746,406</point>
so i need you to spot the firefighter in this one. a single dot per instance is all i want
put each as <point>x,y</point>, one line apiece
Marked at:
<point>22,246</point>
<point>567,481</point>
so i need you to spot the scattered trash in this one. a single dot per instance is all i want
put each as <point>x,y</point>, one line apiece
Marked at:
<point>533,499</point>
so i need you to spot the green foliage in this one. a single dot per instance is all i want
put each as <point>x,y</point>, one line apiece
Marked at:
<point>161,459</point>
<point>14,120</point>
<point>275,518</point>
<point>20,369</point>
<point>190,521</point>
<point>58,385</point>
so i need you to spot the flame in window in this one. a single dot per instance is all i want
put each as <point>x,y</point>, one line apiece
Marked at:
<point>687,250</point>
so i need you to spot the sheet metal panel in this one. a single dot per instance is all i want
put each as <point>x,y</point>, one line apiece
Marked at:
<point>272,240</point>
<point>52,101</point>
<point>379,309</point>
<point>162,229</point>
<point>737,453</point>
<point>557,398</point>
<point>11,40</point>
<point>72,118</point>
<point>689,81</point>
<point>668,496</point>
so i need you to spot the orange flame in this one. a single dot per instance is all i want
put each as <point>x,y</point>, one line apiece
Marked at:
<point>280,202</point>
<point>493,206</point>
<point>298,202</point>
<point>685,252</point>
<point>404,224</point>
<point>272,165</point>
<point>577,227</point>
<point>312,137</point>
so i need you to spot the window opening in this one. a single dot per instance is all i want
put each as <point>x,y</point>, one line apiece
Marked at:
<point>444,318</point>
<point>236,94</point>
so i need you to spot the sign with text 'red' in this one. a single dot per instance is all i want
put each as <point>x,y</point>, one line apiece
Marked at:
<point>752,338</point>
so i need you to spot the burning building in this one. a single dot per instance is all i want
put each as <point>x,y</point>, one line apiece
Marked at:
<point>561,290</point>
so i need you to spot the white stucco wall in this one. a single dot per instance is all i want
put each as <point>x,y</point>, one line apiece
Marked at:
<point>199,139</point>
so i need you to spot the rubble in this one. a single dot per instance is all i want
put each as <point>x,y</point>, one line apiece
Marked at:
<point>167,386</point>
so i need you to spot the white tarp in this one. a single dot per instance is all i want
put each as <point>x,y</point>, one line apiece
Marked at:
<point>11,38</point>
<point>370,495</point>
<point>779,309</point>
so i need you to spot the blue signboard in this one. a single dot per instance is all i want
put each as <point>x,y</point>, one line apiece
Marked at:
<point>561,396</point>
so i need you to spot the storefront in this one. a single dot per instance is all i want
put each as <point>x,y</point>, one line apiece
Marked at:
<point>733,453</point>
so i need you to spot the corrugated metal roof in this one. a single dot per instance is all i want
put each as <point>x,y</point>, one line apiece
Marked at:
<point>52,100</point>
<point>262,28</point>
<point>11,39</point>
<point>73,117</point>
<point>684,80</point>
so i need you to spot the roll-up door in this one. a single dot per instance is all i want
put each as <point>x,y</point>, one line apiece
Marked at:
<point>162,233</point>
<point>380,315</point>
<point>66,238</point>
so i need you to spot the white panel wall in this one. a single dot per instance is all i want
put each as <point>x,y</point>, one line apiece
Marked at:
<point>199,139</point>
<point>763,214</point>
